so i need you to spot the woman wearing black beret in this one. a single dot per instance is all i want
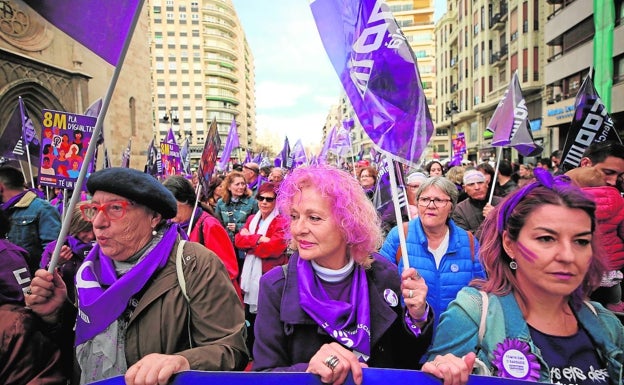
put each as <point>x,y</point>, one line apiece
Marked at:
<point>133,317</point>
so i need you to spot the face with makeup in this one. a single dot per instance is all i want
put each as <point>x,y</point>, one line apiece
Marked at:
<point>553,251</point>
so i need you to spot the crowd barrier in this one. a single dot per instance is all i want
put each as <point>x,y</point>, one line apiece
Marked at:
<point>372,376</point>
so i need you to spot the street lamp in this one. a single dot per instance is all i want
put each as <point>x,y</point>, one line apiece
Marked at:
<point>451,109</point>
<point>171,115</point>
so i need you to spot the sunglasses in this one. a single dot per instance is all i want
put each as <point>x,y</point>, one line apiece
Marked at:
<point>268,199</point>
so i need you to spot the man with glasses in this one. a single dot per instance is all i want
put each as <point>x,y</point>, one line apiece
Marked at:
<point>470,213</point>
<point>608,158</point>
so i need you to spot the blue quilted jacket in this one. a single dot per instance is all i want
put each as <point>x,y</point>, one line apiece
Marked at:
<point>457,268</point>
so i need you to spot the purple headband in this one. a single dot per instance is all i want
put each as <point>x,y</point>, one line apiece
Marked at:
<point>542,179</point>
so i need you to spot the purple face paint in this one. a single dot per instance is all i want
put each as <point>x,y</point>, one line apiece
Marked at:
<point>526,253</point>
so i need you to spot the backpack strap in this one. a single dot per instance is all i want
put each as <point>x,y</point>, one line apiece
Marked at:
<point>472,245</point>
<point>485,302</point>
<point>179,271</point>
<point>182,283</point>
<point>398,253</point>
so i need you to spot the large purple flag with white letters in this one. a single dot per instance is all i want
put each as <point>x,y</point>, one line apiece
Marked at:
<point>591,123</point>
<point>378,71</point>
<point>510,122</point>
<point>77,17</point>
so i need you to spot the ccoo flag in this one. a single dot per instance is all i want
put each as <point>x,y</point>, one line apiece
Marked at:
<point>378,71</point>
<point>76,18</point>
<point>591,123</point>
<point>510,122</point>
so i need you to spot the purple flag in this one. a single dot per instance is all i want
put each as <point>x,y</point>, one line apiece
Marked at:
<point>115,17</point>
<point>154,160</point>
<point>348,123</point>
<point>170,137</point>
<point>248,157</point>
<point>284,158</point>
<point>591,124</point>
<point>209,155</point>
<point>341,143</point>
<point>298,155</point>
<point>125,156</point>
<point>185,156</point>
<point>382,199</point>
<point>230,144</point>
<point>378,71</point>
<point>265,161</point>
<point>257,158</point>
<point>11,140</point>
<point>322,157</point>
<point>510,122</point>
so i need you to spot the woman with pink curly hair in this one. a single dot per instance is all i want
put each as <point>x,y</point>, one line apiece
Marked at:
<point>336,306</point>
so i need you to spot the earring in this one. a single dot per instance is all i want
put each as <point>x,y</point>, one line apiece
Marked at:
<point>513,265</point>
<point>154,232</point>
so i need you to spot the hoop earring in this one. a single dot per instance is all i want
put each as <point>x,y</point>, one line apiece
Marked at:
<point>513,265</point>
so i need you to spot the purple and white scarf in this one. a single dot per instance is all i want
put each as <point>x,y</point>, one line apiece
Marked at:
<point>347,322</point>
<point>103,296</point>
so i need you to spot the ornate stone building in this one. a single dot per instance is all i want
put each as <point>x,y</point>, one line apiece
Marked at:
<point>49,70</point>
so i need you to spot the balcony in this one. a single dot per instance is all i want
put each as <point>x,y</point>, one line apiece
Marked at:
<point>494,57</point>
<point>453,61</point>
<point>503,12</point>
<point>494,20</point>
<point>454,88</point>
<point>503,51</point>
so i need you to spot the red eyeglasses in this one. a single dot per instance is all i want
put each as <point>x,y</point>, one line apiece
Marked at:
<point>113,210</point>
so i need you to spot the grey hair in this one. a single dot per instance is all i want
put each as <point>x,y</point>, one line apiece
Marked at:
<point>443,184</point>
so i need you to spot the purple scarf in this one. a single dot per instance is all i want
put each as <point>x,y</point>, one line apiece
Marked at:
<point>102,296</point>
<point>347,322</point>
<point>7,205</point>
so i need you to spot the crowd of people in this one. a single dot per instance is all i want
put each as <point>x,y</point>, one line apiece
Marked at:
<point>507,270</point>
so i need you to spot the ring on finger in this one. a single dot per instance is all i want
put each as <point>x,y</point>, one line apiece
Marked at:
<point>331,362</point>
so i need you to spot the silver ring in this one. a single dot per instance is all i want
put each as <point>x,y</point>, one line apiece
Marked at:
<point>331,362</point>
<point>410,294</point>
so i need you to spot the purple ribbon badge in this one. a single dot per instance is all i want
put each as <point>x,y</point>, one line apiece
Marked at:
<point>513,359</point>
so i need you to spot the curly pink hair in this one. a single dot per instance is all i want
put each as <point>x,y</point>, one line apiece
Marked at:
<point>358,220</point>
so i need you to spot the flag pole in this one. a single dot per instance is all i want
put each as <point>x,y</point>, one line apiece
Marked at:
<point>397,210</point>
<point>93,143</point>
<point>197,192</point>
<point>499,153</point>
<point>25,142</point>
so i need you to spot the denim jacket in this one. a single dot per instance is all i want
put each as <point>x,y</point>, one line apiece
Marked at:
<point>34,224</point>
<point>235,212</point>
<point>458,331</point>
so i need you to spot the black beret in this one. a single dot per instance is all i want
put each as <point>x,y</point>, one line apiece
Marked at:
<point>135,185</point>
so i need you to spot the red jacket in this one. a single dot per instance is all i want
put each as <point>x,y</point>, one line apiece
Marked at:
<point>610,218</point>
<point>272,253</point>
<point>209,232</point>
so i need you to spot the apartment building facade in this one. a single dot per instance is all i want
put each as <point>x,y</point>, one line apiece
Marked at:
<point>202,69</point>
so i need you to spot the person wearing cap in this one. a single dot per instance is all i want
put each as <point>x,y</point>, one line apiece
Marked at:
<point>442,253</point>
<point>470,213</point>
<point>134,316</point>
<point>251,171</point>
<point>414,180</point>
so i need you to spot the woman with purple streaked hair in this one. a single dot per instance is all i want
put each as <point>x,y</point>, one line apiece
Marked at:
<point>530,319</point>
<point>336,306</point>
